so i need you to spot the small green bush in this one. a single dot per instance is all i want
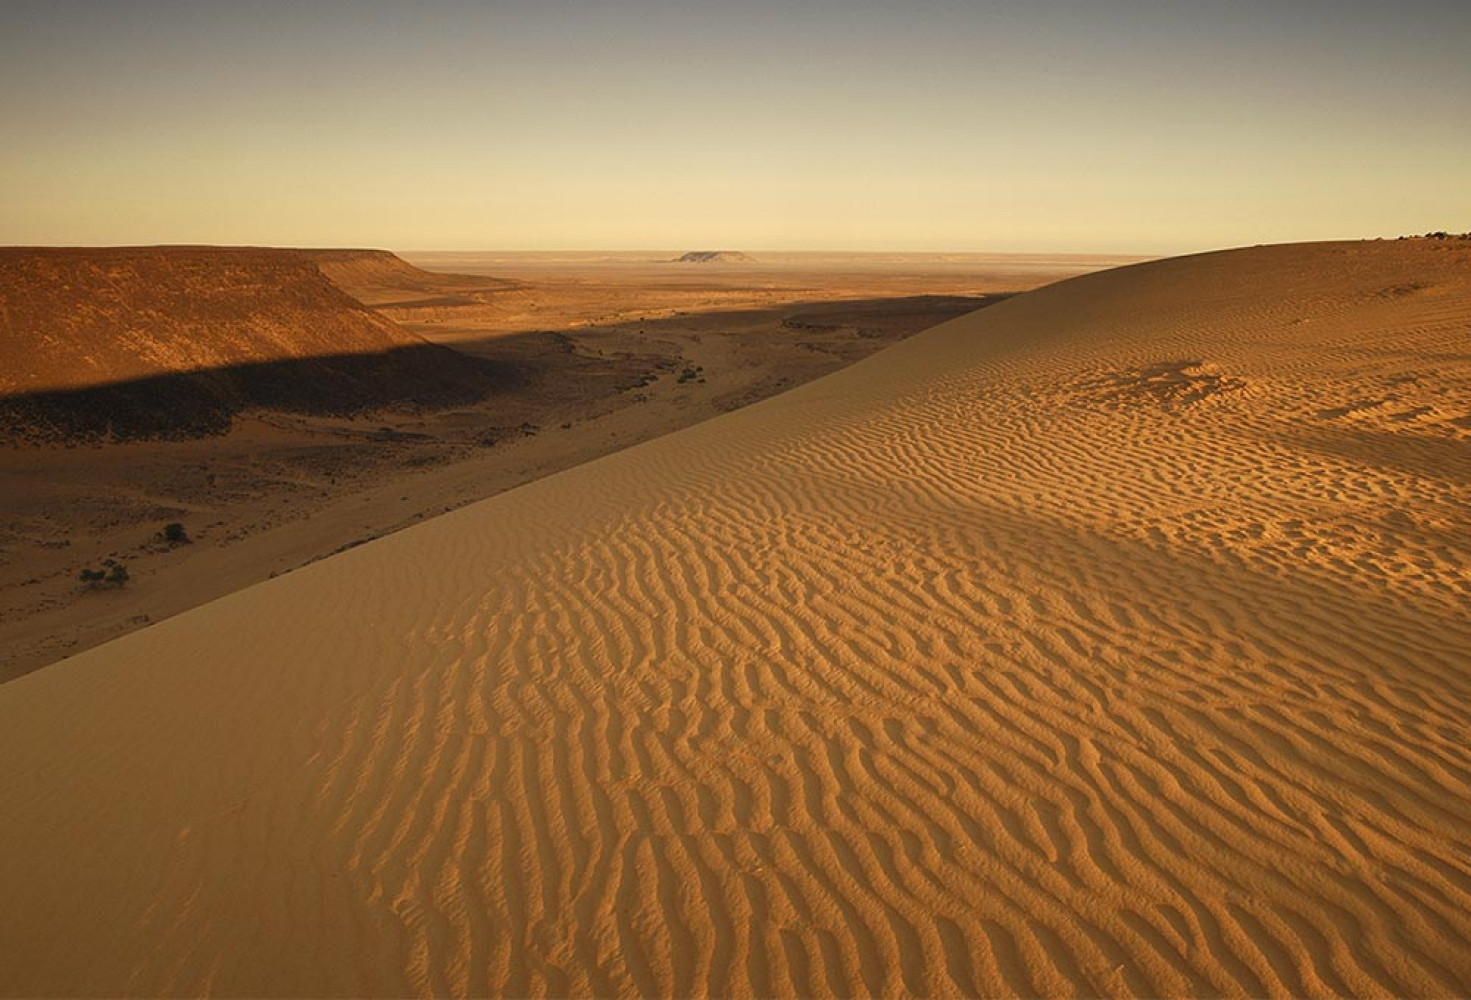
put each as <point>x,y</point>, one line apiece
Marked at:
<point>174,534</point>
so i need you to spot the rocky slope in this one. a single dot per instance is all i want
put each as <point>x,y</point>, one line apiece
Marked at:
<point>173,341</point>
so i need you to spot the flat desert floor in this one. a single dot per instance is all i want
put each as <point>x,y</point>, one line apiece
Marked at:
<point>1113,640</point>
<point>607,350</point>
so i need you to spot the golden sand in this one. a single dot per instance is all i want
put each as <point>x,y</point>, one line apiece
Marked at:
<point>1111,641</point>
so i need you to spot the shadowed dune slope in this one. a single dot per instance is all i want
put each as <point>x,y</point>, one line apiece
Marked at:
<point>1110,641</point>
<point>137,341</point>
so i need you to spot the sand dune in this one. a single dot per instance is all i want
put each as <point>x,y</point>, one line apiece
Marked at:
<point>599,357</point>
<point>1111,641</point>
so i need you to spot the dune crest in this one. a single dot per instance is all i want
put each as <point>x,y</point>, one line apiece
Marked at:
<point>1110,641</point>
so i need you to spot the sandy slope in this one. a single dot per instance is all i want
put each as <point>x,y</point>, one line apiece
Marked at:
<point>1111,641</point>
<point>609,366</point>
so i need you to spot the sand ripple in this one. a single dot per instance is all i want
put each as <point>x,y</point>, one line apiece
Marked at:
<point>945,675</point>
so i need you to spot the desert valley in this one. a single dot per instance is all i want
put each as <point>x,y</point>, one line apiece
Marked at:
<point>818,498</point>
<point>281,406</point>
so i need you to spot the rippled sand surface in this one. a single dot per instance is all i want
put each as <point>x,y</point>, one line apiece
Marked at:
<point>1114,640</point>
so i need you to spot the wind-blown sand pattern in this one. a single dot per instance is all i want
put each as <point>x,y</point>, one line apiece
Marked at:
<point>1114,640</point>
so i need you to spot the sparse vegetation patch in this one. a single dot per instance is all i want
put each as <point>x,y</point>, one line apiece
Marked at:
<point>112,575</point>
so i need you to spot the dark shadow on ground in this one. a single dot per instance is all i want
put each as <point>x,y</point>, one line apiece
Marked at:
<point>431,377</point>
<point>1442,458</point>
<point>195,404</point>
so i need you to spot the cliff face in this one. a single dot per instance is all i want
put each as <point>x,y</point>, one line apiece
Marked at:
<point>77,318</point>
<point>371,275</point>
<point>133,342</point>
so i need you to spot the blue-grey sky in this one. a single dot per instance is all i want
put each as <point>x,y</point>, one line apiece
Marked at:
<point>1130,125</point>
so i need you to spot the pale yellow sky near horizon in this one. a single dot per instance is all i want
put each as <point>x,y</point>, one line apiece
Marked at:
<point>1130,127</point>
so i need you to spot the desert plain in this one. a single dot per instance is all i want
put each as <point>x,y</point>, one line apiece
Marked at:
<point>1108,640</point>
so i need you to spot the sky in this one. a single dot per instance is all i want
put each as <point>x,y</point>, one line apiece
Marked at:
<point>1127,126</point>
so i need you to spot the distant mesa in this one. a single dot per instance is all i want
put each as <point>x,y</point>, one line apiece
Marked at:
<point>715,257</point>
<point>168,342</point>
<point>352,270</point>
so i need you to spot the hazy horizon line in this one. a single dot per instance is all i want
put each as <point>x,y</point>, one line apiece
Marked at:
<point>1156,252</point>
